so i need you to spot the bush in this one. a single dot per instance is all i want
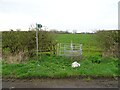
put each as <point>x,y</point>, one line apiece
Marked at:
<point>108,41</point>
<point>23,43</point>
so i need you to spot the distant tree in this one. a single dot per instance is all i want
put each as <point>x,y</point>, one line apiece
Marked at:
<point>11,30</point>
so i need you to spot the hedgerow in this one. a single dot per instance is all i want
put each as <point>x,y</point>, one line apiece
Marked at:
<point>24,42</point>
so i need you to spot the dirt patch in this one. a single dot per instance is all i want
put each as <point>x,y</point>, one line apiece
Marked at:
<point>61,83</point>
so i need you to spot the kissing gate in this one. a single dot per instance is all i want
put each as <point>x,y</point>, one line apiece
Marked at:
<point>69,50</point>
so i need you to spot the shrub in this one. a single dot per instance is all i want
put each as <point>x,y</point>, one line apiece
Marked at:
<point>108,41</point>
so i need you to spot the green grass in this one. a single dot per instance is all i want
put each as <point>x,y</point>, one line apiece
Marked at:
<point>89,42</point>
<point>60,67</point>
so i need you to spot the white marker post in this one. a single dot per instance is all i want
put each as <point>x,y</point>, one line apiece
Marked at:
<point>38,26</point>
<point>119,15</point>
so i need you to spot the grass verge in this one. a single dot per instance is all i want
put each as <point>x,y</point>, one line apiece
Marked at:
<point>60,67</point>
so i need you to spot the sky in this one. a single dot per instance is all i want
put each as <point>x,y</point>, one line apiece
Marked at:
<point>79,15</point>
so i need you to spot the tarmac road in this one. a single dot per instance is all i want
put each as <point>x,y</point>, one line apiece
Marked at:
<point>60,83</point>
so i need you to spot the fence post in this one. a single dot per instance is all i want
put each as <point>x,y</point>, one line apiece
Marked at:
<point>81,49</point>
<point>60,48</point>
<point>64,50</point>
<point>71,49</point>
<point>71,46</point>
<point>57,49</point>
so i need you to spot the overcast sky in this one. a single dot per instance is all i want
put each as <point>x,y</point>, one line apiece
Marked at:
<point>80,15</point>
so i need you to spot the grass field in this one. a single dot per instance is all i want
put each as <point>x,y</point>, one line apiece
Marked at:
<point>85,39</point>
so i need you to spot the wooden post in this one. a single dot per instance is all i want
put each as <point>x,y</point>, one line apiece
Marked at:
<point>57,49</point>
<point>60,48</point>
